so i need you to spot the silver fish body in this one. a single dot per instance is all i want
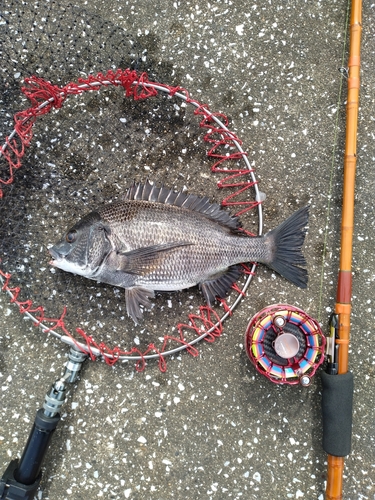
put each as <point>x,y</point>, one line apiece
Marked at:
<point>160,240</point>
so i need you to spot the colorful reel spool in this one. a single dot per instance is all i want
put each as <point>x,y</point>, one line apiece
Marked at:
<point>285,344</point>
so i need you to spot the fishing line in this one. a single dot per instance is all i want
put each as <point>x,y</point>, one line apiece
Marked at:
<point>333,161</point>
<point>285,344</point>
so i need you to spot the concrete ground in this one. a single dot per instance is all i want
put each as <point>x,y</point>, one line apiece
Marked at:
<point>210,427</point>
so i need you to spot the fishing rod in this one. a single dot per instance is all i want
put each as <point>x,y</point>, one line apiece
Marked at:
<point>337,401</point>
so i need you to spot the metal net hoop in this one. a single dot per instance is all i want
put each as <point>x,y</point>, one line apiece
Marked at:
<point>207,324</point>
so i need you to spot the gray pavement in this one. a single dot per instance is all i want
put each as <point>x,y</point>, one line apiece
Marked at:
<point>210,427</point>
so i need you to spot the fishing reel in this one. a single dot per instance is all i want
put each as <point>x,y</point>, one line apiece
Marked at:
<point>285,344</point>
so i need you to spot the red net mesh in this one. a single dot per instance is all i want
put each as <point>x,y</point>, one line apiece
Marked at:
<point>225,148</point>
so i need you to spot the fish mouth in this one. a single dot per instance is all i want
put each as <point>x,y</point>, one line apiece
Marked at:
<point>55,256</point>
<point>59,261</point>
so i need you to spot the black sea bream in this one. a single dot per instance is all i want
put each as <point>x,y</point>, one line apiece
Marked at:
<point>160,240</point>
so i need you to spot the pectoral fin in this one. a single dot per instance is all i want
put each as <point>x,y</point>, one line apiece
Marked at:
<point>135,297</point>
<point>147,259</point>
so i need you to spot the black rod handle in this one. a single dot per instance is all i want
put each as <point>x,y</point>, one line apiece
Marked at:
<point>337,409</point>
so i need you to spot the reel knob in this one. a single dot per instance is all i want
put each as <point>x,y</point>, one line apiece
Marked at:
<point>286,345</point>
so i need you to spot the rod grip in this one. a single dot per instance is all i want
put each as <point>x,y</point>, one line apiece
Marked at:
<point>337,411</point>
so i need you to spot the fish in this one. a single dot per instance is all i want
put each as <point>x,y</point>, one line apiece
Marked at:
<point>156,239</point>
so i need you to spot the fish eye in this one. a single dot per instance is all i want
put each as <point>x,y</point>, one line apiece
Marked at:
<point>71,236</point>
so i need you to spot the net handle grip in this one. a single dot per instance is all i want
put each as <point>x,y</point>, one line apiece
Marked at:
<point>36,447</point>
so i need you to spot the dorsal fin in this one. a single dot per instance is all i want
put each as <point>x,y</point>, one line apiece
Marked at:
<point>213,211</point>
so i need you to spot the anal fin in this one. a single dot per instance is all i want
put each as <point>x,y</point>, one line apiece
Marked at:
<point>219,284</point>
<point>135,297</point>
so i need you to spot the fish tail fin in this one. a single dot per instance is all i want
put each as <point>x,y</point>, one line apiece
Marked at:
<point>286,240</point>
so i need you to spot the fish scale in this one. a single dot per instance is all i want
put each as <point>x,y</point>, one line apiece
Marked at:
<point>160,240</point>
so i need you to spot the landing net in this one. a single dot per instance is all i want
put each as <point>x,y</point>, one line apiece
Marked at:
<point>78,145</point>
<point>224,147</point>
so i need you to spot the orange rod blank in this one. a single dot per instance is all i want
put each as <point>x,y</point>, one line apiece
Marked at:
<point>343,299</point>
<point>344,288</point>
